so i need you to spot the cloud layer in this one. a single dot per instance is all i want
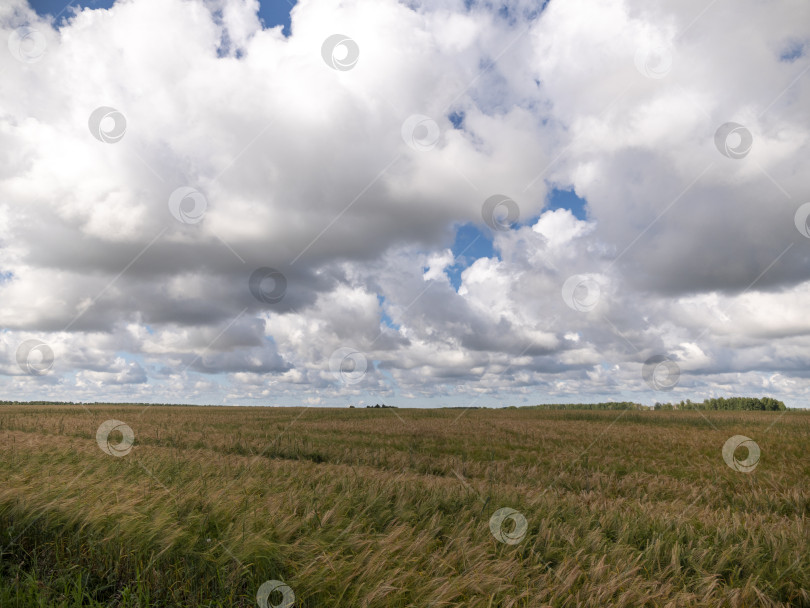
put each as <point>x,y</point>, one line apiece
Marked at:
<point>196,209</point>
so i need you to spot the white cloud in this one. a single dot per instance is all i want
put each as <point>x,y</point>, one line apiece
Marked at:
<point>304,169</point>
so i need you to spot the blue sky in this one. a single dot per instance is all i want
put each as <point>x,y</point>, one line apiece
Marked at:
<point>473,242</point>
<point>271,12</point>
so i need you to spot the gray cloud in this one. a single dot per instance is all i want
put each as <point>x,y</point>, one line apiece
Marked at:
<point>306,170</point>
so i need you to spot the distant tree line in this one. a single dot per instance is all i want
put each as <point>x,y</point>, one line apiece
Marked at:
<point>765,404</point>
<point>609,405</point>
<point>39,402</point>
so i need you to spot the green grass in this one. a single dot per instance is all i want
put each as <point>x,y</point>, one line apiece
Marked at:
<point>377,507</point>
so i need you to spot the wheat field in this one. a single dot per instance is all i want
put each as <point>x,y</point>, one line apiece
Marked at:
<point>400,507</point>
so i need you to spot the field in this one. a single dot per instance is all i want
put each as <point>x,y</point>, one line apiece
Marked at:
<point>384,507</point>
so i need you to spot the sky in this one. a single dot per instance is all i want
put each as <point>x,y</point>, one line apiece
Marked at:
<point>422,204</point>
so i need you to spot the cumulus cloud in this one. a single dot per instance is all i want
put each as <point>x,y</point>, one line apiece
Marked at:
<point>158,154</point>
